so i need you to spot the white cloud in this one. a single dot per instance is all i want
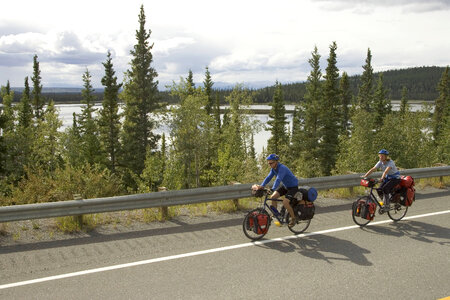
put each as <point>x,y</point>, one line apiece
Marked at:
<point>240,41</point>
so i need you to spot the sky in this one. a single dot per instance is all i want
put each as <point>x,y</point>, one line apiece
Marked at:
<point>255,43</point>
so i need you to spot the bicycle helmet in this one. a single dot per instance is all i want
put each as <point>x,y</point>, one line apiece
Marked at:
<point>383,151</point>
<point>273,157</point>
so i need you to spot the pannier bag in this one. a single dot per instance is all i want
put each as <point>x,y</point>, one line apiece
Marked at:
<point>305,210</point>
<point>306,193</point>
<point>407,182</point>
<point>365,209</point>
<point>368,182</point>
<point>258,222</point>
<point>409,197</point>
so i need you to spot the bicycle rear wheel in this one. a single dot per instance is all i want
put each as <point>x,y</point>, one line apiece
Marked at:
<point>356,214</point>
<point>250,226</point>
<point>299,227</point>
<point>397,212</point>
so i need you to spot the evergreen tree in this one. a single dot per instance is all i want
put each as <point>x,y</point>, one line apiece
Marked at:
<point>190,83</point>
<point>90,143</point>
<point>442,104</point>
<point>329,115</point>
<point>8,110</point>
<point>47,152</point>
<point>404,107</point>
<point>140,96</point>
<point>72,141</point>
<point>217,113</point>
<point>278,141</point>
<point>208,84</point>
<point>345,100</point>
<point>309,146</point>
<point>381,104</point>
<point>38,100</point>
<point>25,114</point>
<point>365,93</point>
<point>109,119</point>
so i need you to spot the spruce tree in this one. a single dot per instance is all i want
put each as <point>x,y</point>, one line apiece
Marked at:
<point>25,114</point>
<point>38,100</point>
<point>329,115</point>
<point>208,84</point>
<point>8,110</point>
<point>404,107</point>
<point>90,143</point>
<point>381,103</point>
<point>345,95</point>
<point>278,141</point>
<point>190,83</point>
<point>109,119</point>
<point>441,105</point>
<point>309,147</point>
<point>365,93</point>
<point>47,152</point>
<point>140,97</point>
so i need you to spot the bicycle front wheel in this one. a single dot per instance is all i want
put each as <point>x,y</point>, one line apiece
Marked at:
<point>299,227</point>
<point>252,226</point>
<point>397,212</point>
<point>356,212</point>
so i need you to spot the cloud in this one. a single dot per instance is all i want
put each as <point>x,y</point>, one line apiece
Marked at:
<point>367,6</point>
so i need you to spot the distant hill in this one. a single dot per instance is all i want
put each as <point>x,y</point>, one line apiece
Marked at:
<point>421,83</point>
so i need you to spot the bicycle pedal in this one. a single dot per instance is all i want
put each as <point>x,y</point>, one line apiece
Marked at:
<point>277,223</point>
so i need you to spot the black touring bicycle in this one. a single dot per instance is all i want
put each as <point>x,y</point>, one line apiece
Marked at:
<point>257,221</point>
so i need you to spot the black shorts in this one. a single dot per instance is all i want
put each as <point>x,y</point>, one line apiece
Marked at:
<point>291,191</point>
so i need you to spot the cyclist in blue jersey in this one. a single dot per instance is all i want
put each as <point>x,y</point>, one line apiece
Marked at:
<point>390,176</point>
<point>285,184</point>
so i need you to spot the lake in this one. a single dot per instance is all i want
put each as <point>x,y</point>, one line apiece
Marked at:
<point>66,115</point>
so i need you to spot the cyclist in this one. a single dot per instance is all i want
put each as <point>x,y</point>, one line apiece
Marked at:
<point>285,184</point>
<point>389,178</point>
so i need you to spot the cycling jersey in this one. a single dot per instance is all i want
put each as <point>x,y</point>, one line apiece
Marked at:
<point>284,175</point>
<point>393,172</point>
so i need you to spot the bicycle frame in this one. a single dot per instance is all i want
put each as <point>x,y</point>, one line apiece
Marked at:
<point>267,207</point>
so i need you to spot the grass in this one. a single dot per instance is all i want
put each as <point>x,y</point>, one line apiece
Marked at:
<point>89,222</point>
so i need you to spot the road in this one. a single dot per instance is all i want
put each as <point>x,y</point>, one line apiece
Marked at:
<point>213,260</point>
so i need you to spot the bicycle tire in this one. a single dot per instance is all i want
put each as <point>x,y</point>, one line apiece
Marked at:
<point>397,212</point>
<point>249,231</point>
<point>299,227</point>
<point>356,218</point>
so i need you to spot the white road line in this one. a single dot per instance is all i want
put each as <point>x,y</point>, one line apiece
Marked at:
<point>172,257</point>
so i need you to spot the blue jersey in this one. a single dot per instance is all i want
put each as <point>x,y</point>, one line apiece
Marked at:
<point>284,175</point>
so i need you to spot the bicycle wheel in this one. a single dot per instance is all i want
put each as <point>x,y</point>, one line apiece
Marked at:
<point>397,212</point>
<point>250,226</point>
<point>356,213</point>
<point>298,228</point>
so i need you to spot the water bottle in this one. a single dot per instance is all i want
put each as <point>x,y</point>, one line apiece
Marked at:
<point>274,210</point>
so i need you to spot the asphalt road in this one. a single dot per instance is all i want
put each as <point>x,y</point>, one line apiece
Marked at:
<point>212,259</point>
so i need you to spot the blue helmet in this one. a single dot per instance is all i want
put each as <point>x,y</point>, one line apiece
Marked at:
<point>383,151</point>
<point>273,157</point>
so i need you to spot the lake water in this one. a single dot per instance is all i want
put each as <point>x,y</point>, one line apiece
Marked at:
<point>66,115</point>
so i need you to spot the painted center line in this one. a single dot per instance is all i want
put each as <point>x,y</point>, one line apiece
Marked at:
<point>196,253</point>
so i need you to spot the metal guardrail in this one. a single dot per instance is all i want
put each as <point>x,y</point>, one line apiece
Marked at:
<point>180,197</point>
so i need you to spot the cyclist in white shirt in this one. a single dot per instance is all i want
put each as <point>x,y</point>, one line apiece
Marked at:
<point>390,176</point>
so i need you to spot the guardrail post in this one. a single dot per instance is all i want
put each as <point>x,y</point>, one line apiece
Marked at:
<point>163,209</point>
<point>79,218</point>
<point>236,201</point>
